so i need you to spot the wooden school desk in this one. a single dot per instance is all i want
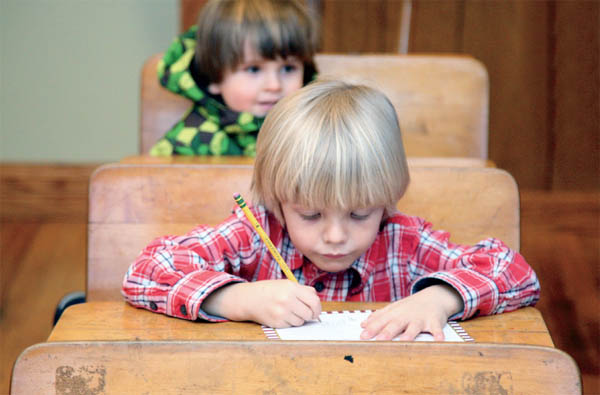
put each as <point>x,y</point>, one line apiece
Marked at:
<point>244,160</point>
<point>442,100</point>
<point>117,320</point>
<point>111,347</point>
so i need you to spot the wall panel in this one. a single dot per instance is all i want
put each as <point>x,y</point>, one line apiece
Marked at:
<point>436,26</point>
<point>576,96</point>
<point>510,38</point>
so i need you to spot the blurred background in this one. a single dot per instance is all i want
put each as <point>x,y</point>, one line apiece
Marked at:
<point>69,101</point>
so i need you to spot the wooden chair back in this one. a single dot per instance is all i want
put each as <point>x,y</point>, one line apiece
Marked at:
<point>293,367</point>
<point>442,100</point>
<point>130,205</point>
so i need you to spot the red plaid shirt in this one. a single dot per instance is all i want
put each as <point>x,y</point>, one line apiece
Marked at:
<point>174,274</point>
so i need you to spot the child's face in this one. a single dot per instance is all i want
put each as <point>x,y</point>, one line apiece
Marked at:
<point>257,84</point>
<point>332,238</point>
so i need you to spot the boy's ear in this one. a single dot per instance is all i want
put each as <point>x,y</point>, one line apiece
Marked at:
<point>214,88</point>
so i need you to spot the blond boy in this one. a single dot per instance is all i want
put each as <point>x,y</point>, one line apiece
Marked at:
<point>329,170</point>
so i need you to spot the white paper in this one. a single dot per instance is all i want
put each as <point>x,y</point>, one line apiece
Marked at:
<point>345,325</point>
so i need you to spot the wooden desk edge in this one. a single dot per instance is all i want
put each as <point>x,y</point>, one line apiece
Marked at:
<point>316,343</point>
<point>47,358</point>
<point>237,160</point>
<point>77,323</point>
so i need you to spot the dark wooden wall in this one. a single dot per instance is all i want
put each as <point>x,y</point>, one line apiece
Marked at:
<point>543,62</point>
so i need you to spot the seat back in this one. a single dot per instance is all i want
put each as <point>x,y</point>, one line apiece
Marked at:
<point>442,100</point>
<point>130,205</point>
<point>293,367</point>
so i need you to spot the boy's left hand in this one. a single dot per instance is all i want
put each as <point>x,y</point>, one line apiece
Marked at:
<point>425,311</point>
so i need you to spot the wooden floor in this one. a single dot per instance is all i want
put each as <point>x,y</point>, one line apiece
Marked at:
<point>43,215</point>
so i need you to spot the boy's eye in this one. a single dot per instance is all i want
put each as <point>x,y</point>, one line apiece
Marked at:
<point>310,217</point>
<point>289,68</point>
<point>252,69</point>
<point>359,216</point>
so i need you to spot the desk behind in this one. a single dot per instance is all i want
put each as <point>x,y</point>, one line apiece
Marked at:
<point>132,204</point>
<point>177,367</point>
<point>442,100</point>
<point>413,161</point>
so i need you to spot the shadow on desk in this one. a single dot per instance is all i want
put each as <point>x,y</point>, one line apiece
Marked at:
<point>292,367</point>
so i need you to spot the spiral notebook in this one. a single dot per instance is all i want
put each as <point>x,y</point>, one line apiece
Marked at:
<point>345,325</point>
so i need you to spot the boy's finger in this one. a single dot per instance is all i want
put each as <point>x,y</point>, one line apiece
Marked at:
<point>383,329</point>
<point>317,312</point>
<point>436,331</point>
<point>366,335</point>
<point>313,303</point>
<point>371,328</point>
<point>390,331</point>
<point>438,336</point>
<point>375,315</point>
<point>294,320</point>
<point>410,333</point>
<point>302,310</point>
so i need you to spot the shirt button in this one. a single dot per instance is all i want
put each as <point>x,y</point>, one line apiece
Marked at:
<point>319,286</point>
<point>183,310</point>
<point>153,306</point>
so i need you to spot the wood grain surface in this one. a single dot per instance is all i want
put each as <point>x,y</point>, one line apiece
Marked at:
<point>293,367</point>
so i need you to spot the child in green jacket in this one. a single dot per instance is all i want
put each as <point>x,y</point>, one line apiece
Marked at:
<point>241,58</point>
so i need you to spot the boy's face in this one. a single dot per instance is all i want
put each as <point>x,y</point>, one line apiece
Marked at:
<point>257,84</point>
<point>332,238</point>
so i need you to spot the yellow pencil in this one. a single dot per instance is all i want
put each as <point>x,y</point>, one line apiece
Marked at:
<point>261,232</point>
<point>265,238</point>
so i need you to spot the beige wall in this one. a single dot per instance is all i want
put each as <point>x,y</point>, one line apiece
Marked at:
<point>69,87</point>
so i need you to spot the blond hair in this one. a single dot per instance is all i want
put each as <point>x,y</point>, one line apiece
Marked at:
<point>330,144</point>
<point>274,28</point>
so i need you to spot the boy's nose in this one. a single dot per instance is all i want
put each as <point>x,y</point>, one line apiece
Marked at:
<point>273,82</point>
<point>335,233</point>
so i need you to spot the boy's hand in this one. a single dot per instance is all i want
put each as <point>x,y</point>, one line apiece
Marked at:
<point>275,303</point>
<point>425,311</point>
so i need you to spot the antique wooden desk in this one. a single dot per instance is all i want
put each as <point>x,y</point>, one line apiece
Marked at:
<point>119,321</point>
<point>244,160</point>
<point>111,347</point>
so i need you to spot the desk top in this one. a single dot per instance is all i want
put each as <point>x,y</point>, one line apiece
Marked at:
<point>95,321</point>
<point>244,160</point>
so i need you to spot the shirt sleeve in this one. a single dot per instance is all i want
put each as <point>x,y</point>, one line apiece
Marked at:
<point>173,275</point>
<point>489,276</point>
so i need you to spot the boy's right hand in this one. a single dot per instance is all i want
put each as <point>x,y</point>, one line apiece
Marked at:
<point>275,303</point>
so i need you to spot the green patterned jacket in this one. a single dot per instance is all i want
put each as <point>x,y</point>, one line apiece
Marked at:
<point>209,127</point>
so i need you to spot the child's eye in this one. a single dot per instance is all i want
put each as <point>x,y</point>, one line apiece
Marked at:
<point>358,216</point>
<point>252,69</point>
<point>310,217</point>
<point>289,68</point>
